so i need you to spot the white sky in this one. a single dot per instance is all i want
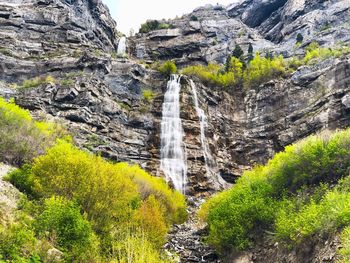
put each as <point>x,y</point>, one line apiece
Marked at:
<point>131,13</point>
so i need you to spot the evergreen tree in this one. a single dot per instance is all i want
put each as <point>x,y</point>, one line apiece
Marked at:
<point>250,49</point>
<point>227,64</point>
<point>250,53</point>
<point>237,52</point>
<point>300,38</point>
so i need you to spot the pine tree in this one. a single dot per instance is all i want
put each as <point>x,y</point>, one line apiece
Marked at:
<point>250,49</point>
<point>300,38</point>
<point>250,56</point>
<point>237,52</point>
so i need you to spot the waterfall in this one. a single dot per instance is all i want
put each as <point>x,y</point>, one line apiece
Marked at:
<point>203,126</point>
<point>121,46</point>
<point>173,156</point>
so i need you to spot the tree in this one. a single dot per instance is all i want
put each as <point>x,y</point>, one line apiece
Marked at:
<point>250,53</point>
<point>300,38</point>
<point>237,52</point>
<point>236,67</point>
<point>227,64</point>
<point>250,48</point>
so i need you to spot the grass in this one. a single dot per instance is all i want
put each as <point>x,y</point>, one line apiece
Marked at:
<point>37,81</point>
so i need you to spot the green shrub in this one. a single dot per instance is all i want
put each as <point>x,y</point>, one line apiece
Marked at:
<point>260,70</point>
<point>62,222</point>
<point>300,38</point>
<point>344,250</point>
<point>233,216</point>
<point>260,196</point>
<point>134,247</point>
<point>112,195</point>
<point>22,138</point>
<point>211,75</point>
<point>17,243</point>
<point>37,81</point>
<point>167,68</point>
<point>148,95</point>
<point>193,18</point>
<point>154,25</point>
<point>314,218</point>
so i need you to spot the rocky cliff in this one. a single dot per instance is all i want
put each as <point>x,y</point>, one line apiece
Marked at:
<point>99,96</point>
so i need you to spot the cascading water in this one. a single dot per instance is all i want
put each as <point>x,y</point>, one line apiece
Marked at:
<point>173,156</point>
<point>121,46</point>
<point>203,126</point>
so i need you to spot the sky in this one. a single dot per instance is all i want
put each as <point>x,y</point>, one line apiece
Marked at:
<point>132,13</point>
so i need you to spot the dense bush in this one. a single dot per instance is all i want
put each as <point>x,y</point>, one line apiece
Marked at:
<point>22,138</point>
<point>115,198</point>
<point>167,68</point>
<point>315,53</point>
<point>344,250</point>
<point>17,243</point>
<point>297,223</point>
<point>260,70</point>
<point>135,248</point>
<point>258,199</point>
<point>148,95</point>
<point>72,233</point>
<point>211,75</point>
<point>255,70</point>
<point>234,73</point>
<point>154,25</point>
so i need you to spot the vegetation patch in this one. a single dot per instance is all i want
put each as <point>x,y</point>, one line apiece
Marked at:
<point>276,198</point>
<point>23,138</point>
<point>38,81</point>
<point>167,68</point>
<point>252,71</point>
<point>81,206</point>
<point>154,25</point>
<point>148,95</point>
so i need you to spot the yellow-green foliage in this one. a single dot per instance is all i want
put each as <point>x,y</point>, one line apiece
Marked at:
<point>315,53</point>
<point>297,223</point>
<point>211,75</point>
<point>258,199</point>
<point>151,219</point>
<point>135,248</point>
<point>344,250</point>
<point>167,68</point>
<point>61,218</point>
<point>22,138</point>
<point>115,197</point>
<point>37,81</point>
<point>17,243</point>
<point>260,70</point>
<point>148,95</point>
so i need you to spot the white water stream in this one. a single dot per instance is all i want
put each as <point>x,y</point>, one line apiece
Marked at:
<point>173,156</point>
<point>203,126</point>
<point>121,46</point>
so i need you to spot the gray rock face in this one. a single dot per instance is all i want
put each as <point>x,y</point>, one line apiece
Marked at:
<point>206,35</point>
<point>280,20</point>
<point>38,36</point>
